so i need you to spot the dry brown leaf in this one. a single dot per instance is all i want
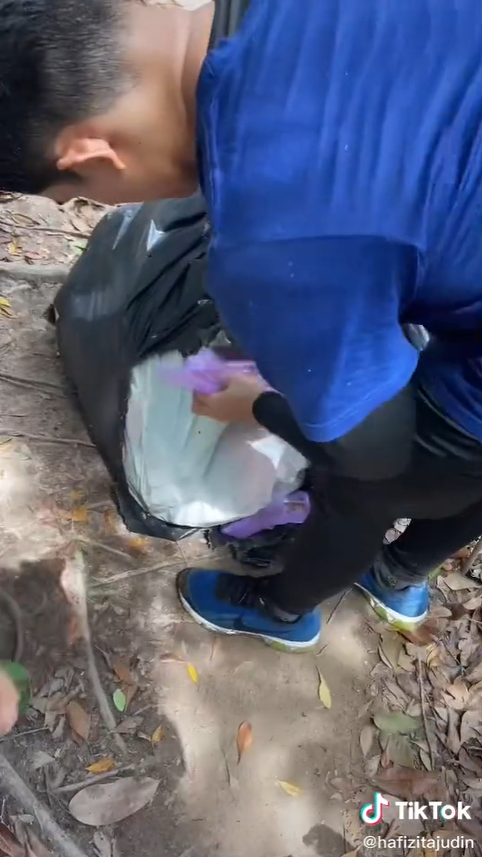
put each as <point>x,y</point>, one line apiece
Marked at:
<point>383,658</point>
<point>41,759</point>
<point>463,553</point>
<point>425,760</point>
<point>475,675</point>
<point>36,848</point>
<point>367,736</point>
<point>391,646</point>
<point>103,844</point>
<point>471,726</point>
<point>458,582</point>
<point>371,766</point>
<point>170,658</point>
<point>193,673</point>
<point>289,788</point>
<point>405,662</point>
<point>456,695</point>
<point>103,766</point>
<point>414,708</point>
<point>473,603</point>
<point>423,635</point>
<point>442,713</point>
<point>76,515</point>
<point>128,726</point>
<point>385,760</point>
<point>467,648</point>
<point>109,803</point>
<point>396,692</point>
<point>475,695</point>
<point>410,784</point>
<point>9,844</point>
<point>324,694</point>
<point>129,691</point>
<point>244,739</point>
<point>474,783</point>
<point>470,763</point>
<point>110,521</point>
<point>458,611</point>
<point>58,702</point>
<point>6,309</point>
<point>79,720</point>
<point>439,611</point>
<point>158,735</point>
<point>453,737</point>
<point>122,671</point>
<point>409,685</point>
<point>434,657</point>
<point>138,546</point>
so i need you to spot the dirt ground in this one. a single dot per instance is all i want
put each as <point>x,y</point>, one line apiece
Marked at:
<point>314,744</point>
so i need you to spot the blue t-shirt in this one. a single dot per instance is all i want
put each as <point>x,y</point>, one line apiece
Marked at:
<point>340,150</point>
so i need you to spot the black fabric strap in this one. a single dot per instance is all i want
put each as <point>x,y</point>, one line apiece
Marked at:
<point>228,15</point>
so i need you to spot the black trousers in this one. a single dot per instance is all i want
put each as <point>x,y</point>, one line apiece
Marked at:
<point>440,491</point>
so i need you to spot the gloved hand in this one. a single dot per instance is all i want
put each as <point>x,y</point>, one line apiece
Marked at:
<point>234,404</point>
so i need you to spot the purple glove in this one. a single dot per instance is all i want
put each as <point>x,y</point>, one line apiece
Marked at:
<point>293,509</point>
<point>206,373</point>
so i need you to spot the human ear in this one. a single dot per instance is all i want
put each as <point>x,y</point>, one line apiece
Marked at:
<point>76,153</point>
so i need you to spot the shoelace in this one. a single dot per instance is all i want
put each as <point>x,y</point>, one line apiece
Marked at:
<point>242,591</point>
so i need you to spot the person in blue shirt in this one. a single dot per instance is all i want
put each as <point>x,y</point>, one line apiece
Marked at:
<point>338,145</point>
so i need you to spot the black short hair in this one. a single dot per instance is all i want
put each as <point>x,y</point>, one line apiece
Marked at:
<point>60,63</point>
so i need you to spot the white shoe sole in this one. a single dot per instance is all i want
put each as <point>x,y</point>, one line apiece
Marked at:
<point>398,620</point>
<point>274,642</point>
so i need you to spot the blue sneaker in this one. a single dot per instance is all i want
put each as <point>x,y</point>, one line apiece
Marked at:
<point>402,608</point>
<point>230,604</point>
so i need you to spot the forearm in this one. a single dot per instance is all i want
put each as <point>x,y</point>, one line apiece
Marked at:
<point>378,448</point>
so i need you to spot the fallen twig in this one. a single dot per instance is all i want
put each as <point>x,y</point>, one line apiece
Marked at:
<point>34,382</point>
<point>100,545</point>
<point>424,711</point>
<point>12,784</point>
<point>45,438</point>
<point>467,563</point>
<point>14,735</point>
<point>72,233</point>
<point>31,384</point>
<point>34,273</point>
<point>136,572</point>
<point>337,605</point>
<point>90,781</point>
<point>74,586</point>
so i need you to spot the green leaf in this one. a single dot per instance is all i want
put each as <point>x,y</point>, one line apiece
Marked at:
<point>21,679</point>
<point>400,751</point>
<point>397,723</point>
<point>120,700</point>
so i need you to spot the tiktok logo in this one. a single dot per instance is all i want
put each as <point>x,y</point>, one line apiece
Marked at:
<point>372,813</point>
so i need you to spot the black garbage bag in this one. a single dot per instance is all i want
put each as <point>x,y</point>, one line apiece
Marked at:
<point>138,288</point>
<point>132,309</point>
